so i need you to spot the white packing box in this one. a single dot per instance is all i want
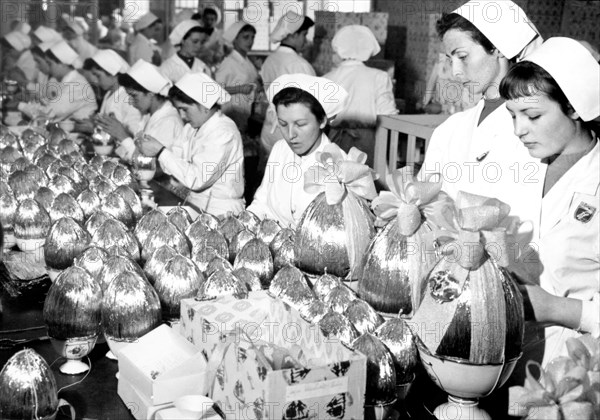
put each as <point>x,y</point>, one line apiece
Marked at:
<point>163,366</point>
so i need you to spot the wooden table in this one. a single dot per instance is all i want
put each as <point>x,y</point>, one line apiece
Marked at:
<point>396,140</point>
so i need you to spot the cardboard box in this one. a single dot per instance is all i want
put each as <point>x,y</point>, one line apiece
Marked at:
<point>331,383</point>
<point>162,365</point>
<point>141,406</point>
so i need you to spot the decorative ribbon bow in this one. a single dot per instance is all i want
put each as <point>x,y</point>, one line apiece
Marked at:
<point>339,174</point>
<point>409,199</point>
<point>479,226</point>
<point>566,389</point>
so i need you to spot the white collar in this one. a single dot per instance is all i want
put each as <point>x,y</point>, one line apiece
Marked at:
<point>286,49</point>
<point>347,63</point>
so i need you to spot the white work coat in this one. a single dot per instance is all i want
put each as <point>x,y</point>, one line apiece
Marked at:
<point>73,97</point>
<point>164,125</point>
<point>174,68</point>
<point>237,70</point>
<point>142,47</point>
<point>209,161</point>
<point>27,64</point>
<point>370,93</point>
<point>487,160</point>
<point>569,246</point>
<point>117,102</point>
<point>281,194</point>
<point>284,60</point>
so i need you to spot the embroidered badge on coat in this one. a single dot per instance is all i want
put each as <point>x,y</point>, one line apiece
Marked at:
<point>584,212</point>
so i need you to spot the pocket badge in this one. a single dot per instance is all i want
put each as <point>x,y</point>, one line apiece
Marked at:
<point>584,212</point>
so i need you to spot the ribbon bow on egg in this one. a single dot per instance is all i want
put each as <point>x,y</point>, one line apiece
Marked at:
<point>339,174</point>
<point>410,200</point>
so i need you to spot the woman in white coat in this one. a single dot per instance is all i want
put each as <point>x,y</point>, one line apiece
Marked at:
<point>189,36</point>
<point>290,32</point>
<point>148,89</point>
<point>302,117</point>
<point>551,96</point>
<point>476,150</point>
<point>208,157</point>
<point>370,91</point>
<point>238,75</point>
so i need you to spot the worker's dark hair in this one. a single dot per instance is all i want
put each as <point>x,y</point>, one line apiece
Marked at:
<point>176,94</point>
<point>198,29</point>
<point>450,21</point>
<point>129,82</point>
<point>292,95</point>
<point>527,79</point>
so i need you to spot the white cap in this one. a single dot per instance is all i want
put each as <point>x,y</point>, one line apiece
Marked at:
<point>330,95</point>
<point>355,42</point>
<point>144,21</point>
<point>18,40</point>
<point>286,25</point>
<point>65,54</point>
<point>177,34</point>
<point>149,77</point>
<point>45,46</point>
<point>23,27</point>
<point>575,71</point>
<point>77,24</point>
<point>233,30</point>
<point>504,23</point>
<point>202,89</point>
<point>111,62</point>
<point>183,14</point>
<point>46,34</point>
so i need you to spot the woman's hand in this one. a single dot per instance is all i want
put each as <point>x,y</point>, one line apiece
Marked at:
<point>148,145</point>
<point>112,126</point>
<point>85,126</point>
<point>544,307</point>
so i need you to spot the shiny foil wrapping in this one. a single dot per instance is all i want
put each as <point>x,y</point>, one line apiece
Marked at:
<point>122,176</point>
<point>249,278</point>
<point>209,220</point>
<point>393,273</point>
<point>64,205</point>
<point>238,242</point>
<point>285,234</point>
<point>66,241</point>
<point>97,161</point>
<point>290,286</point>
<point>325,284</point>
<point>165,234</point>
<point>285,255</point>
<point>62,184</point>
<point>27,387</point>
<point>267,230</point>
<point>96,220</point>
<point>92,260</point>
<point>45,160</point>
<point>115,265</point>
<point>36,173</point>
<point>107,168</point>
<point>399,339</point>
<point>323,244</point>
<point>22,185</point>
<point>229,227</point>
<point>117,207</point>
<point>89,202</point>
<point>362,315</point>
<point>20,164</point>
<point>31,220</point>
<point>202,258</point>
<point>54,168</point>
<point>314,312</point>
<point>72,305</point>
<point>256,257</point>
<point>66,147</point>
<point>196,233</point>
<point>7,156</point>
<point>218,263</point>
<point>249,220</point>
<point>157,262</point>
<point>132,200</point>
<point>56,135</point>
<point>222,283</point>
<point>102,186</point>
<point>130,308</point>
<point>180,218</point>
<point>334,324</point>
<point>45,196</point>
<point>179,279</point>
<point>89,173</point>
<point>381,374</point>
<point>8,208</point>
<point>339,298</point>
<point>148,223</point>
<point>112,232</point>
<point>214,239</point>
<point>79,182</point>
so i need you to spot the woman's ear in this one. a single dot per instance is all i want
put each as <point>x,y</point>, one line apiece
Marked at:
<point>324,123</point>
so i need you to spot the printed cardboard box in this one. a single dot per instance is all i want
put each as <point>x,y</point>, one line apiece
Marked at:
<point>330,384</point>
<point>162,365</point>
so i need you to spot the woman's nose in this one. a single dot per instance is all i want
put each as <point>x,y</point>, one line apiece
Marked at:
<point>291,132</point>
<point>457,69</point>
<point>520,127</point>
